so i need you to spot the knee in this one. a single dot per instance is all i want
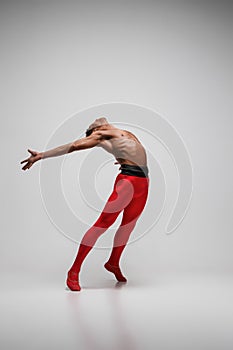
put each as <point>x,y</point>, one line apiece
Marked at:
<point>129,220</point>
<point>106,220</point>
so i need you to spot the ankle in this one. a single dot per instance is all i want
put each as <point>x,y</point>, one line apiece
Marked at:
<point>73,274</point>
<point>112,265</point>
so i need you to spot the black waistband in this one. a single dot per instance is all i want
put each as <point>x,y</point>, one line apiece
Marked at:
<point>134,170</point>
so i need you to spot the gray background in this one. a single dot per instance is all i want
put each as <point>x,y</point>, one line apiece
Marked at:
<point>59,57</point>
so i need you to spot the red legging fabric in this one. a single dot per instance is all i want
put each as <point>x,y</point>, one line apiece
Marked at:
<point>129,195</point>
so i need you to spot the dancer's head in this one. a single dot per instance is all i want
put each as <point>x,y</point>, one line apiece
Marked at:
<point>98,123</point>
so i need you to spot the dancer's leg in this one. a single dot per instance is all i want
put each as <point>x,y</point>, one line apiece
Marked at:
<point>118,200</point>
<point>130,216</point>
<point>86,245</point>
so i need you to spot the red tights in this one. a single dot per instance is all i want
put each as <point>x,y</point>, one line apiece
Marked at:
<point>129,194</point>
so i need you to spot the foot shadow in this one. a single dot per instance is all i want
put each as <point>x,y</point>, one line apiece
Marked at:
<point>108,284</point>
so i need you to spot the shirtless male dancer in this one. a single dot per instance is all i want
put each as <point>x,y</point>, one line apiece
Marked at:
<point>129,193</point>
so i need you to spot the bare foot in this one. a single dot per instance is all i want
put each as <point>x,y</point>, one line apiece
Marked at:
<point>72,281</point>
<point>116,270</point>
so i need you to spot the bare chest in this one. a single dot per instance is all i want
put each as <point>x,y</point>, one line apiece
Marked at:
<point>118,146</point>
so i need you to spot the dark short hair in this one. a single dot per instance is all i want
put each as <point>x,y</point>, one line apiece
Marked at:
<point>89,132</point>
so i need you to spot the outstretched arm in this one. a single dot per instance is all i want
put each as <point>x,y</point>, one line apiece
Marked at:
<point>84,143</point>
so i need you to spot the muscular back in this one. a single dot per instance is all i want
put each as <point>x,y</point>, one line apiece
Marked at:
<point>123,145</point>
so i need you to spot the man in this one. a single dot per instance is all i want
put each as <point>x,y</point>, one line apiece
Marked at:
<point>129,193</point>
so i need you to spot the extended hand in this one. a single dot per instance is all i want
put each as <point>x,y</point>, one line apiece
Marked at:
<point>35,156</point>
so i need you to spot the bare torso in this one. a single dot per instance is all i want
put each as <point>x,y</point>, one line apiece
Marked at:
<point>124,146</point>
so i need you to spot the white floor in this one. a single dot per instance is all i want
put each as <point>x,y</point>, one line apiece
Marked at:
<point>174,312</point>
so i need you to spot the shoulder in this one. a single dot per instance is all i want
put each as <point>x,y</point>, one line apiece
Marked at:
<point>108,134</point>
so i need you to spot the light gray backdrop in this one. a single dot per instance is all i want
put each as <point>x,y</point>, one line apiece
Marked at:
<point>59,57</point>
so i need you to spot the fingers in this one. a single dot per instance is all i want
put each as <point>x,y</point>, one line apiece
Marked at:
<point>33,153</point>
<point>25,160</point>
<point>27,166</point>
